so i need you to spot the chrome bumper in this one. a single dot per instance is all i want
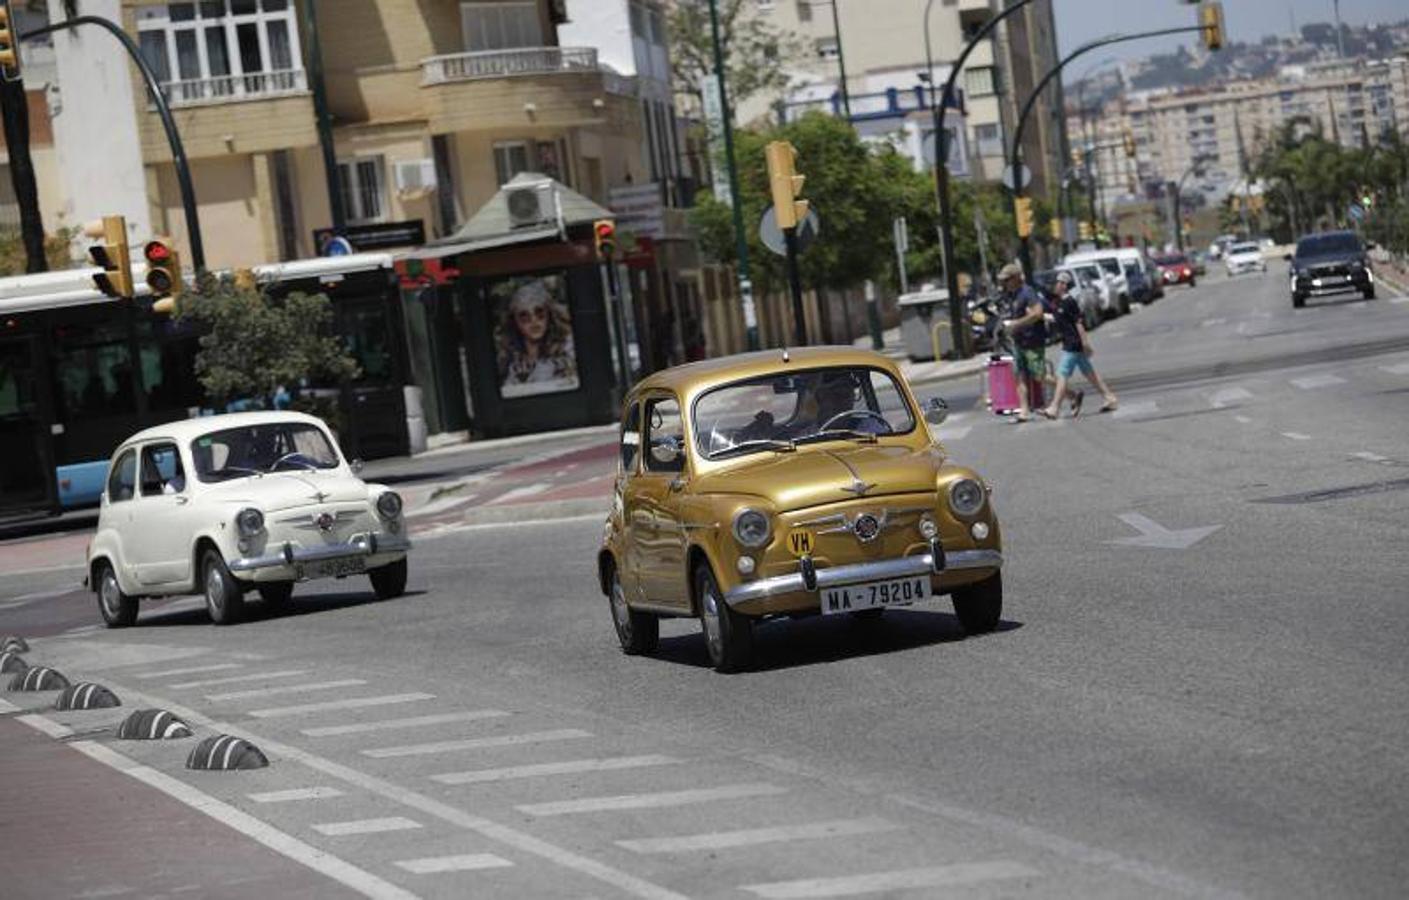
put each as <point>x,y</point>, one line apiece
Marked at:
<point>289,555</point>
<point>835,576</point>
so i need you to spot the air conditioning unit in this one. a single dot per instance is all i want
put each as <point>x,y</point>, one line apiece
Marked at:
<point>415,178</point>
<point>532,204</point>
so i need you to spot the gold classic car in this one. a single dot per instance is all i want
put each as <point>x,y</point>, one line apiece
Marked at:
<point>789,483</point>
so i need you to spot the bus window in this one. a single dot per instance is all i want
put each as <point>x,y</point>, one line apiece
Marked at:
<point>166,367</point>
<point>94,371</point>
<point>122,483</point>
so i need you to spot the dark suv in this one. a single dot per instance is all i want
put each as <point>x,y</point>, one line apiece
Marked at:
<point>1328,262</point>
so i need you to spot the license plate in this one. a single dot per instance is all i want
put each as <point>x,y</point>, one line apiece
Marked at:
<point>332,568</point>
<point>800,542</point>
<point>871,594</point>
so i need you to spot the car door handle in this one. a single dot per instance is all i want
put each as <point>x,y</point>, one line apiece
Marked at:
<point>182,501</point>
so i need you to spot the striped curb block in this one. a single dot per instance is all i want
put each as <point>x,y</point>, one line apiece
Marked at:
<point>225,752</point>
<point>11,661</point>
<point>152,725</point>
<point>86,695</point>
<point>40,678</point>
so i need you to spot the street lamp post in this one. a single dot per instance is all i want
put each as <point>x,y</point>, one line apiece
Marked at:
<point>741,243</point>
<point>841,62</point>
<point>1194,169</point>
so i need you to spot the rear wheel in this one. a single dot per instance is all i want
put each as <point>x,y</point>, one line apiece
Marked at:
<point>118,609</point>
<point>638,632</point>
<point>1193,282</point>
<point>1124,304</point>
<point>224,595</point>
<point>980,606</point>
<point>276,593</point>
<point>728,635</point>
<point>1298,301</point>
<point>389,580</point>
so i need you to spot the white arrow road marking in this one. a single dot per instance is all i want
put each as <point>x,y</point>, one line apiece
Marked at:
<point>1312,382</point>
<point>1229,397</point>
<point>1153,534</point>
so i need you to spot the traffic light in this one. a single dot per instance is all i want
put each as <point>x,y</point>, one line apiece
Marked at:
<point>1211,18</point>
<point>604,235</point>
<point>163,274</point>
<point>1022,212</point>
<point>1128,138</point>
<point>785,184</point>
<point>1054,227</point>
<point>112,255</point>
<point>9,43</point>
<point>1084,230</point>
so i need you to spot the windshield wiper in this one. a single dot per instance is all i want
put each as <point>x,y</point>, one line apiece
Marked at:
<point>834,433</point>
<point>754,444</point>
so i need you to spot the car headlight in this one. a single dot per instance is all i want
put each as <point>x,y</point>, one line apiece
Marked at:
<point>752,528</point>
<point>389,505</point>
<point>249,521</point>
<point>966,497</point>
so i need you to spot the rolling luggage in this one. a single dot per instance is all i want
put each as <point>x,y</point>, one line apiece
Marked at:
<point>1002,386</point>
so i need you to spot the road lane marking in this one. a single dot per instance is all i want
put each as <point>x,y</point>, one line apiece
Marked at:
<point>723,840</point>
<point>467,862</point>
<point>366,826</point>
<point>1397,369</point>
<point>406,723</point>
<point>956,434</point>
<point>502,740</point>
<point>1141,408</point>
<point>1210,323</point>
<point>1312,382</point>
<point>568,767</point>
<point>458,528</point>
<point>191,670</point>
<point>1153,534</point>
<point>288,689</point>
<point>1371,457</point>
<point>237,679</point>
<point>1296,436</point>
<point>295,794</point>
<point>1229,397</point>
<point>1243,419</point>
<point>899,880</point>
<point>325,706</point>
<point>661,800</point>
<point>507,835</point>
<point>56,730</point>
<point>518,493</point>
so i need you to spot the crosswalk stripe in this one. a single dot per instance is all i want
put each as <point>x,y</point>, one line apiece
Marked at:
<point>722,840</point>
<point>191,670</point>
<point>410,722</point>
<point>1397,369</point>
<point>366,826</point>
<point>503,740</point>
<point>237,679</point>
<point>465,862</point>
<point>1312,382</point>
<point>1296,436</point>
<point>898,880</point>
<point>956,434</point>
<point>1229,397</point>
<point>651,801</point>
<point>328,705</point>
<point>295,794</point>
<point>568,767</point>
<point>288,689</point>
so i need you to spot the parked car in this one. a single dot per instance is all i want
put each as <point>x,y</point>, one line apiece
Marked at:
<point>1220,244</point>
<point>1086,294</point>
<point>1092,274</point>
<point>1110,264</point>
<point>1176,268</point>
<point>1245,256</point>
<point>222,505</point>
<point>1141,288</point>
<point>789,483</point>
<point>1331,261</point>
<point>1152,273</point>
<point>1199,259</point>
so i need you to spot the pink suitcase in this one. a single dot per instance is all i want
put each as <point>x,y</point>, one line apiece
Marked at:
<point>1002,386</point>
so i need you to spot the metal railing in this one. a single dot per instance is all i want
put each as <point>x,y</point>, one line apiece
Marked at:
<point>508,63</point>
<point>231,88</point>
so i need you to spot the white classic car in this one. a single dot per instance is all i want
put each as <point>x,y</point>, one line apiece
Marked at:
<point>223,504</point>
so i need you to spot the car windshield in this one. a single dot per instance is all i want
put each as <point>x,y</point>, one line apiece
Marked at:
<point>1090,273</point>
<point>1244,248</point>
<point>1325,244</point>
<point>1172,260</point>
<point>778,412</point>
<point>1111,264</point>
<point>260,449</point>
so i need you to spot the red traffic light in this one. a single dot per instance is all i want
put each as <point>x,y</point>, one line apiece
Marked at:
<point>158,252</point>
<point>605,230</point>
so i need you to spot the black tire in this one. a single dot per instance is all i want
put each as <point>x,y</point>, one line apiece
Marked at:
<point>1124,305</point>
<point>224,595</point>
<point>118,609</point>
<point>1193,282</point>
<point>728,635</point>
<point>638,632</point>
<point>869,616</point>
<point>980,606</point>
<point>1298,301</point>
<point>389,580</point>
<point>276,593</point>
<point>1369,293</point>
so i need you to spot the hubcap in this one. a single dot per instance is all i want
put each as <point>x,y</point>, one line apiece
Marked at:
<point>214,588</point>
<point>109,593</point>
<point>619,610</point>
<point>710,602</point>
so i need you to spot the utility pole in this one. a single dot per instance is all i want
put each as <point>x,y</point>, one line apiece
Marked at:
<point>323,116</point>
<point>14,109</point>
<point>841,62</point>
<point>741,243</point>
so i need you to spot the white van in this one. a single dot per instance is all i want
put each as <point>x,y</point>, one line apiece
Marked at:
<point>1111,262</point>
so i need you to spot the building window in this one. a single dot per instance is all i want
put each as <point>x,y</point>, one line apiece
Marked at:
<point>510,158</point>
<point>362,183</point>
<point>981,81</point>
<point>804,10</point>
<point>500,26</point>
<point>990,142</point>
<point>220,49</point>
<point>827,48</point>
<point>765,6</point>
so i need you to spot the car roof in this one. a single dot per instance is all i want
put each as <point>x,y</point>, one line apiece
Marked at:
<point>190,429</point>
<point>695,377</point>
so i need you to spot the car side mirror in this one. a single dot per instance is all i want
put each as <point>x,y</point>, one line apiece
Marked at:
<point>667,450</point>
<point>936,411</point>
<point>356,466</point>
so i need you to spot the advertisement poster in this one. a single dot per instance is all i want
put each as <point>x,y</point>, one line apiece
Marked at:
<point>533,336</point>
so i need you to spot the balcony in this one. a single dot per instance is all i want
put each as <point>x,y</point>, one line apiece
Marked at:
<point>235,88</point>
<point>258,112</point>
<point>507,64</point>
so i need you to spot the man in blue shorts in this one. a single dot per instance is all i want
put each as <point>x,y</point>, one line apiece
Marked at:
<point>1076,351</point>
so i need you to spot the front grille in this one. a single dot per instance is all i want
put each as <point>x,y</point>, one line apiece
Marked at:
<point>1333,269</point>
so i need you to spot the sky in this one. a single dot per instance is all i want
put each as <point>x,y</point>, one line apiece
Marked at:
<point>1079,21</point>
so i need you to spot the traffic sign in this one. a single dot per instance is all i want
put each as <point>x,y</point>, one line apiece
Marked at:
<point>772,235</point>
<point>1024,173</point>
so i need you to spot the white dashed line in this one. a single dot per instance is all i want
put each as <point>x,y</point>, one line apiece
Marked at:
<point>1312,382</point>
<point>899,880</point>
<point>325,706</point>
<point>568,767</point>
<point>1229,397</point>
<point>1243,420</point>
<point>1210,323</point>
<point>295,794</point>
<point>289,689</point>
<point>723,840</point>
<point>662,800</point>
<point>191,670</point>
<point>407,723</point>
<point>467,862</point>
<point>1399,369</point>
<point>1296,435</point>
<point>1371,457</point>
<point>1399,299</point>
<point>237,679</point>
<point>503,740</point>
<point>366,826</point>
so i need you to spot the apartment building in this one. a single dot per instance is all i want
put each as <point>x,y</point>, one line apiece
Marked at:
<point>883,46</point>
<point>434,105</point>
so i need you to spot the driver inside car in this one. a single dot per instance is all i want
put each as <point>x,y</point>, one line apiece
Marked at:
<point>823,404</point>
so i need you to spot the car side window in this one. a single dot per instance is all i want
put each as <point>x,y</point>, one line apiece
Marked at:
<point>162,472</point>
<point>631,438</point>
<point>122,481</point>
<point>665,429</point>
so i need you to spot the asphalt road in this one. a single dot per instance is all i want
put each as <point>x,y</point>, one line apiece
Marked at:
<point>1215,708</point>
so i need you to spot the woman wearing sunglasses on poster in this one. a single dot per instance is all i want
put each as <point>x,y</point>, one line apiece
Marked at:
<point>536,354</point>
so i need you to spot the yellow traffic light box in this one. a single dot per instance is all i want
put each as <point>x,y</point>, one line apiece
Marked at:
<point>604,238</point>
<point>785,184</point>
<point>112,255</point>
<point>1211,18</point>
<point>1022,212</point>
<point>9,42</point>
<point>163,274</point>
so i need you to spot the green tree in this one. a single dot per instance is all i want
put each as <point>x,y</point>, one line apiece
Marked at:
<point>251,344</point>
<point>58,247</point>
<point>756,53</point>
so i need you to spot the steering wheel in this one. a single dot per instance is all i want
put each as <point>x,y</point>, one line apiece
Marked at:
<point>860,414</point>
<point>289,457</point>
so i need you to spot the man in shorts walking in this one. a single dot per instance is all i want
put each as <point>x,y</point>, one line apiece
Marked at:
<point>1076,352</point>
<point>1027,325</point>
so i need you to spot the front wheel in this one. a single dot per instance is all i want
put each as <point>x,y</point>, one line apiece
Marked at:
<point>1369,292</point>
<point>728,635</point>
<point>1124,305</point>
<point>389,580</point>
<point>1298,301</point>
<point>639,632</point>
<point>1193,282</point>
<point>224,595</point>
<point>980,606</point>
<point>118,609</point>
